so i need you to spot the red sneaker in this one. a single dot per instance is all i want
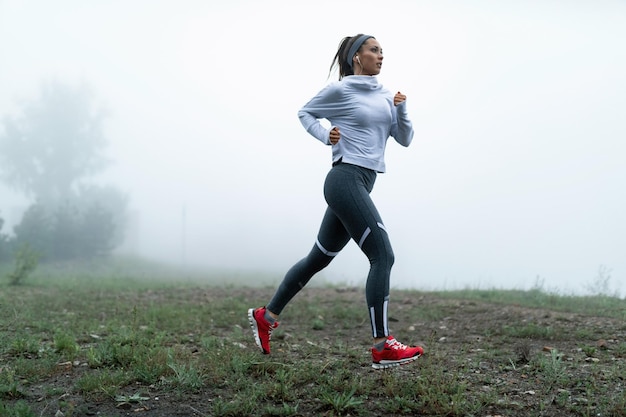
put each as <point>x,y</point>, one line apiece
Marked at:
<point>394,354</point>
<point>261,328</point>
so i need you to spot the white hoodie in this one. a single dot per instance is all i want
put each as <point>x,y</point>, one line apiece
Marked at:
<point>363,111</point>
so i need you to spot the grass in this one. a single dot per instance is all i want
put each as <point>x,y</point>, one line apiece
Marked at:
<point>105,339</point>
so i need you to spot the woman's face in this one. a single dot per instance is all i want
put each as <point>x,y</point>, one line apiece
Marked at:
<point>369,59</point>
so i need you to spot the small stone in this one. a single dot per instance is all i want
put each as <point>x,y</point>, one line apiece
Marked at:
<point>64,366</point>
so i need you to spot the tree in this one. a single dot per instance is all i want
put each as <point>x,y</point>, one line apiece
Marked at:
<point>53,144</point>
<point>34,230</point>
<point>104,216</point>
<point>48,152</point>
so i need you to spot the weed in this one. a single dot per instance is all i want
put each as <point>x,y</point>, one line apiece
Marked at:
<point>65,344</point>
<point>105,382</point>
<point>186,377</point>
<point>26,261</point>
<point>234,408</point>
<point>524,351</point>
<point>620,350</point>
<point>9,387</point>
<point>341,403</point>
<point>286,410</point>
<point>128,399</point>
<point>529,331</point>
<point>601,284</point>
<point>585,334</point>
<point>589,351</point>
<point>318,324</point>
<point>19,409</point>
<point>24,346</point>
<point>552,369</point>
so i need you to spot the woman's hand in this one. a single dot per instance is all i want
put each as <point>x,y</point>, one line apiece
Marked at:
<point>334,136</point>
<point>398,98</point>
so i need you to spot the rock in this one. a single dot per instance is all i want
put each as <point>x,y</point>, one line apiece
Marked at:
<point>64,366</point>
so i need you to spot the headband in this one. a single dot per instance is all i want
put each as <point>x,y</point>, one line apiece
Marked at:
<point>355,47</point>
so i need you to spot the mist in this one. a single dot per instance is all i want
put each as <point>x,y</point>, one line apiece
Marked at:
<point>515,177</point>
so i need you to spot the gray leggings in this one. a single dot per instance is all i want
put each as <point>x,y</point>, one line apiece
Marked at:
<point>351,214</point>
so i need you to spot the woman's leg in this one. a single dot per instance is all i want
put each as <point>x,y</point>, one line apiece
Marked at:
<point>347,191</point>
<point>331,238</point>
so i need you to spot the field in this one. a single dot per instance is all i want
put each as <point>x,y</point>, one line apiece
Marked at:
<point>112,343</point>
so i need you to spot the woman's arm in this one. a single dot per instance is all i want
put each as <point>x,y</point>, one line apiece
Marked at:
<point>402,128</point>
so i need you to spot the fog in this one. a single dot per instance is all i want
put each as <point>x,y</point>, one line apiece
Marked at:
<point>515,176</point>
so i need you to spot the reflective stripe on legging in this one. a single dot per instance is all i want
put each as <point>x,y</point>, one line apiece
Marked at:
<point>363,237</point>
<point>385,320</point>
<point>324,251</point>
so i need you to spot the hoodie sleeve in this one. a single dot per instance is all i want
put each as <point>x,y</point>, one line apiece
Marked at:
<point>326,103</point>
<point>402,128</point>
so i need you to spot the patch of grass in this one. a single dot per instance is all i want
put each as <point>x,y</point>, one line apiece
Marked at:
<point>341,403</point>
<point>19,409</point>
<point>9,386</point>
<point>65,344</point>
<point>551,369</point>
<point>601,305</point>
<point>186,378</point>
<point>530,331</point>
<point>25,345</point>
<point>103,383</point>
<point>108,343</point>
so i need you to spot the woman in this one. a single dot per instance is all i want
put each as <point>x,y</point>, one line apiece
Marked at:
<point>363,115</point>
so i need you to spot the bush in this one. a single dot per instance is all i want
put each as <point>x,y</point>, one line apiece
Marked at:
<point>4,243</point>
<point>26,261</point>
<point>72,230</point>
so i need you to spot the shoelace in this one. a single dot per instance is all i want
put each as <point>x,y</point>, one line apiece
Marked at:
<point>269,331</point>
<point>394,344</point>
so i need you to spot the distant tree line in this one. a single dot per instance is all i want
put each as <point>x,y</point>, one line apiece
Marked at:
<point>48,151</point>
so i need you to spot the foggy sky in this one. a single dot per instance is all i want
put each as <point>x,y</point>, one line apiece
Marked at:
<point>516,172</point>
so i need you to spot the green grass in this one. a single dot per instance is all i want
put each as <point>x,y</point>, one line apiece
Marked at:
<point>599,305</point>
<point>105,337</point>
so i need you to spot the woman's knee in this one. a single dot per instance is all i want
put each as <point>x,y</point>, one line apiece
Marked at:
<point>380,255</point>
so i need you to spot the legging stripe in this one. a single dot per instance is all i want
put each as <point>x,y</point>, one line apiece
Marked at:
<point>373,321</point>
<point>324,250</point>
<point>365,234</point>
<point>385,318</point>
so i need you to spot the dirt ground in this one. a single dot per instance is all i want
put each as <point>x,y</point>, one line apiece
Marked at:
<point>482,342</point>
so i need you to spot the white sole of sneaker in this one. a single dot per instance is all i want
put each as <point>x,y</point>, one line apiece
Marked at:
<point>255,329</point>
<point>393,364</point>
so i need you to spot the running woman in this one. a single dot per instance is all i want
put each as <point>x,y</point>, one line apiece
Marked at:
<point>363,115</point>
